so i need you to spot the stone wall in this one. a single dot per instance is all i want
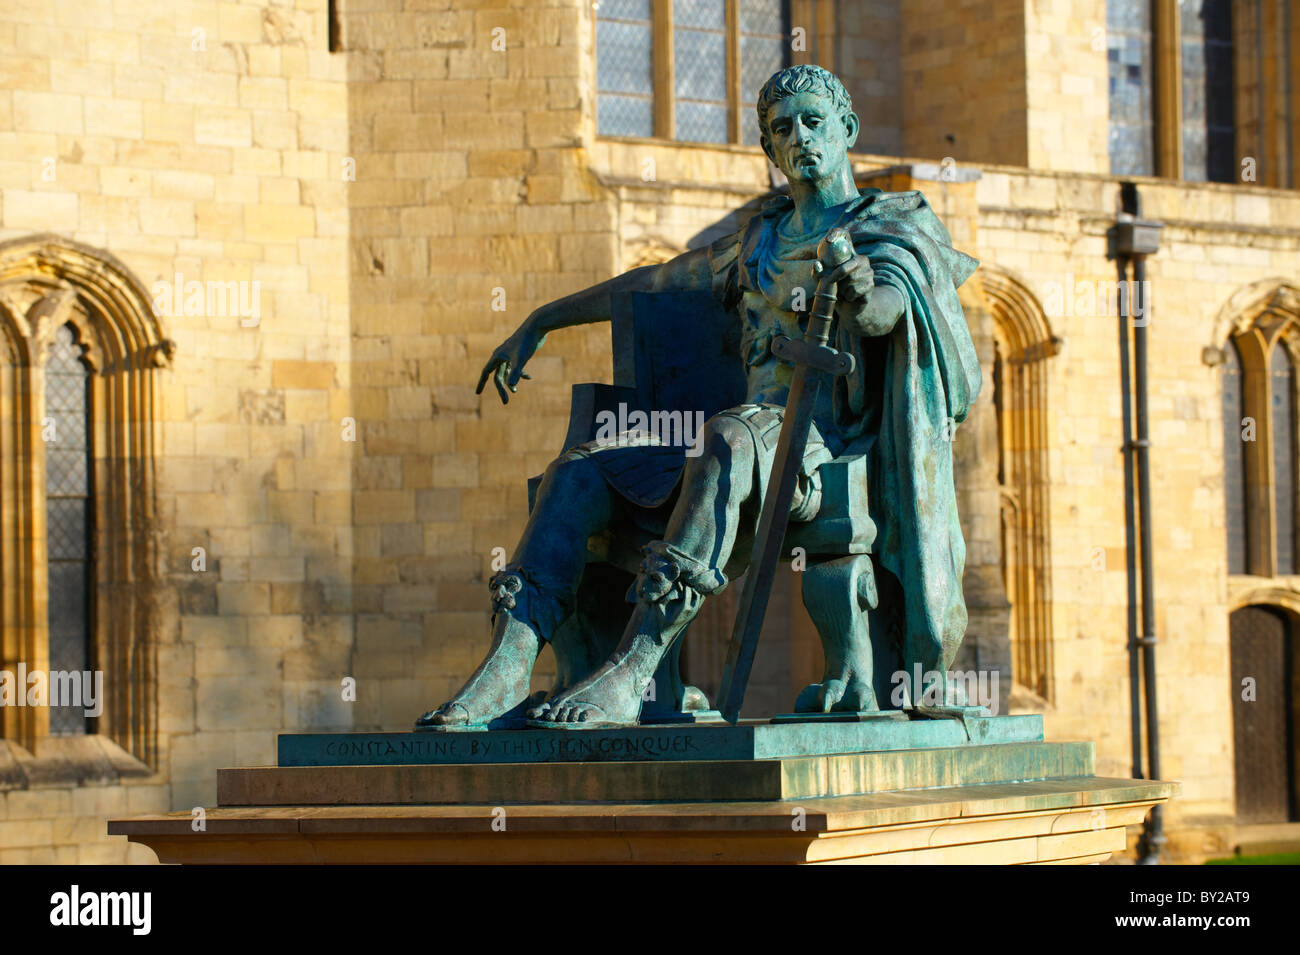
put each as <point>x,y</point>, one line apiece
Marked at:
<point>207,140</point>
<point>963,81</point>
<point>473,205</point>
<point>868,61</point>
<point>1067,105</point>
<point>1049,230</point>
<point>406,203</point>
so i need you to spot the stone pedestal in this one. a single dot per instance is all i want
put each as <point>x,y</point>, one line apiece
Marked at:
<point>988,790</point>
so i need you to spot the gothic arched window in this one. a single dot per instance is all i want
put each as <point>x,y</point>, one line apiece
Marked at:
<point>1281,386</point>
<point>1023,343</point>
<point>1130,66</point>
<point>1260,444</point>
<point>1234,460</point>
<point>69,515</point>
<point>1173,98</point>
<point>79,547</point>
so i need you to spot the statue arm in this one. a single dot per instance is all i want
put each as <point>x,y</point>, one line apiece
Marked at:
<point>865,308</point>
<point>877,314</point>
<point>688,271</point>
<point>505,367</point>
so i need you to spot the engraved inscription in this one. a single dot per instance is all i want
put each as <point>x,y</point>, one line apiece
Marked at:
<point>505,747</point>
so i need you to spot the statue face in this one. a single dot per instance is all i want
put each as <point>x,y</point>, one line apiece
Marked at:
<point>807,139</point>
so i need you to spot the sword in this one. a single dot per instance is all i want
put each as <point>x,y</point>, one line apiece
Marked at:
<point>810,353</point>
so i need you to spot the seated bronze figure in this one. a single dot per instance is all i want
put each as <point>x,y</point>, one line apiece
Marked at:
<point>887,594</point>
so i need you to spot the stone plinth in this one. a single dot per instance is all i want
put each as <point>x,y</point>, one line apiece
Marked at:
<point>1015,801</point>
<point>1076,820</point>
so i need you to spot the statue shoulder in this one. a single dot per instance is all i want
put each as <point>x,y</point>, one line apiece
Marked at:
<point>729,253</point>
<point>907,216</point>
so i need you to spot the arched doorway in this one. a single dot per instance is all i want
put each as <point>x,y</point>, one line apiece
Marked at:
<point>1263,673</point>
<point>1023,342</point>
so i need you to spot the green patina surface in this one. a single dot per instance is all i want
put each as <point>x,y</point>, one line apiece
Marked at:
<point>670,743</point>
<point>783,778</point>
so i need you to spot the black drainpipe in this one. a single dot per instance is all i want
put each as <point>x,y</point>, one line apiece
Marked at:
<point>1135,239</point>
<point>1130,524</point>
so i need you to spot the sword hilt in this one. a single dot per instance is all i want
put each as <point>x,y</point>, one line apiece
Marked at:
<point>813,354</point>
<point>834,250</point>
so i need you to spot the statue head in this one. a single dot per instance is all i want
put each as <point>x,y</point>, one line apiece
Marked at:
<point>806,122</point>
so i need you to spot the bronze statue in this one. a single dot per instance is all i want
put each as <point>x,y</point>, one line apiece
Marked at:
<point>905,375</point>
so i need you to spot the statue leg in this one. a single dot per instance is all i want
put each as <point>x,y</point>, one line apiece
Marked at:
<point>717,505</point>
<point>885,621</point>
<point>838,595</point>
<point>535,593</point>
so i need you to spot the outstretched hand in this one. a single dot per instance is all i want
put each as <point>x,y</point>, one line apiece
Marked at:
<point>506,366</point>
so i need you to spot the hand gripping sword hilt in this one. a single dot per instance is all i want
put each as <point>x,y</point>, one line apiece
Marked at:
<point>832,252</point>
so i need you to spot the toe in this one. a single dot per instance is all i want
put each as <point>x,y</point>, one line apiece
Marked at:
<point>832,693</point>
<point>449,714</point>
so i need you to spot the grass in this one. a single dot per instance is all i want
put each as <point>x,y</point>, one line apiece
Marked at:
<point>1279,858</point>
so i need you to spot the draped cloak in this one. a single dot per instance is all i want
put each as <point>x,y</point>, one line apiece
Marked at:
<point>899,407</point>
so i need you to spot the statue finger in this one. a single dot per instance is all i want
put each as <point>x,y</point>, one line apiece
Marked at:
<point>853,268</point>
<point>499,379</point>
<point>488,369</point>
<point>515,374</point>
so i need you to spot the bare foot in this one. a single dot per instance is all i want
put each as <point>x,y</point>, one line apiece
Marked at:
<point>498,685</point>
<point>609,697</point>
<point>612,695</point>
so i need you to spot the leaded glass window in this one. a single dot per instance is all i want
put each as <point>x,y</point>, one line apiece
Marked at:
<point>68,515</point>
<point>624,69</point>
<point>1281,380</point>
<point>1129,59</point>
<point>1234,460</point>
<point>700,70</point>
<point>1208,114</point>
<point>762,52</point>
<point>719,55</point>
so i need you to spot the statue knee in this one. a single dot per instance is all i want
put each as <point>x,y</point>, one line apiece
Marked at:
<point>726,437</point>
<point>573,473</point>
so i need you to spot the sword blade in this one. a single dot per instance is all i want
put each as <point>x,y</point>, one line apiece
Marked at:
<point>768,540</point>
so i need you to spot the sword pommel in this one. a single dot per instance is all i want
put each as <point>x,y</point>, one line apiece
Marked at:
<point>835,248</point>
